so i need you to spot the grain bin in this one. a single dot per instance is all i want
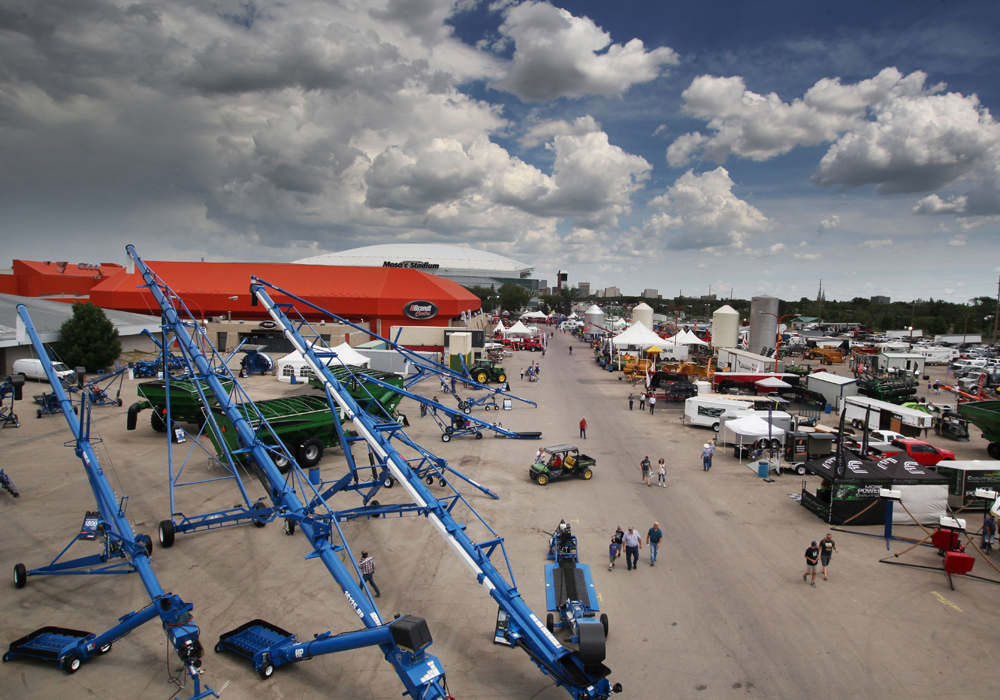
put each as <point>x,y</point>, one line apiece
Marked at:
<point>763,326</point>
<point>643,313</point>
<point>725,327</point>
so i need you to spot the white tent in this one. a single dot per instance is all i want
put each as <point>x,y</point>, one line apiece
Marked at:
<point>501,329</point>
<point>294,365</point>
<point>748,430</point>
<point>686,337</point>
<point>534,314</point>
<point>519,329</point>
<point>637,335</point>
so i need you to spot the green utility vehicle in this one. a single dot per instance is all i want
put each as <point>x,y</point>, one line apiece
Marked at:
<point>559,462</point>
<point>304,424</point>
<point>185,403</point>
<point>486,371</point>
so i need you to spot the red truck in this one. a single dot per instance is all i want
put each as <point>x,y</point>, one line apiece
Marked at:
<point>533,344</point>
<point>922,452</point>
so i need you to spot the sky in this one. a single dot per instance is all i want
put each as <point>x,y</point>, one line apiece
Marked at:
<point>738,148</point>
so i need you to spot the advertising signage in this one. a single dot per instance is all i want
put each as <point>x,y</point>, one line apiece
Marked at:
<point>412,265</point>
<point>420,310</point>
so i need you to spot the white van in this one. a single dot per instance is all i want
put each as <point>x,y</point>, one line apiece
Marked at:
<point>707,410</point>
<point>32,369</point>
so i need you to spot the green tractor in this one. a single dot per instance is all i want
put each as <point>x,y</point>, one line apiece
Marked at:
<point>485,371</point>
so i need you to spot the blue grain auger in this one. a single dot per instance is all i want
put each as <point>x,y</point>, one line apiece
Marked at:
<point>581,671</point>
<point>108,525</point>
<point>403,641</point>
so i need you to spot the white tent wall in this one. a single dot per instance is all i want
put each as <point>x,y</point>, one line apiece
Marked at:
<point>927,503</point>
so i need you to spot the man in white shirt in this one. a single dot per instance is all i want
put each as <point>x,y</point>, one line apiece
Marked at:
<point>633,543</point>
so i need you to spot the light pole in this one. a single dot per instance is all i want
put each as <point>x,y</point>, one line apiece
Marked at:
<point>209,303</point>
<point>677,310</point>
<point>777,329</point>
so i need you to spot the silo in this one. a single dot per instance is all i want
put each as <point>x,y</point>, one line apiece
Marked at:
<point>644,313</point>
<point>763,326</point>
<point>595,317</point>
<point>725,327</point>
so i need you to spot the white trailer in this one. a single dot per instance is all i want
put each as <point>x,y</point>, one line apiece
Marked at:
<point>936,355</point>
<point>707,410</point>
<point>886,416</point>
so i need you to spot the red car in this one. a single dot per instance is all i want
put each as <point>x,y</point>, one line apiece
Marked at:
<point>922,452</point>
<point>533,344</point>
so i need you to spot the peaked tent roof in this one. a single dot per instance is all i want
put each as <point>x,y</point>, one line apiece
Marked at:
<point>858,469</point>
<point>637,334</point>
<point>753,426</point>
<point>502,329</point>
<point>534,314</point>
<point>346,355</point>
<point>518,329</point>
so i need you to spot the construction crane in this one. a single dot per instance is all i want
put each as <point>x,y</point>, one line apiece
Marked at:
<point>581,672</point>
<point>70,648</point>
<point>403,641</point>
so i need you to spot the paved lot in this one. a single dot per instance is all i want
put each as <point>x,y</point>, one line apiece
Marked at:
<point>724,614</point>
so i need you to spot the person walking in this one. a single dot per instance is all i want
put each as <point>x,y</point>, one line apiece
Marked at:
<point>570,349</point>
<point>653,538</point>
<point>614,552</point>
<point>706,456</point>
<point>661,476</point>
<point>633,543</point>
<point>583,428</point>
<point>367,568</point>
<point>619,539</point>
<point>826,549</point>
<point>645,470</point>
<point>652,404</point>
<point>642,401</point>
<point>522,374</point>
<point>812,558</point>
<point>989,530</point>
<point>630,400</point>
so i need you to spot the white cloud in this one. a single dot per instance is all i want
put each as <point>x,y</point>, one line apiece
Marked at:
<point>957,241</point>
<point>757,253</point>
<point>932,204</point>
<point>880,243</point>
<point>807,256</point>
<point>702,266</point>
<point>559,55</point>
<point>829,224</point>
<point>544,131</point>
<point>706,213</point>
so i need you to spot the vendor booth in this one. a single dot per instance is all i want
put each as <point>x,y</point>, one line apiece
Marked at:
<point>850,495</point>
<point>293,367</point>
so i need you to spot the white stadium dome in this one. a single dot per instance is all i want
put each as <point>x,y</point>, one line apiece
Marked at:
<point>466,266</point>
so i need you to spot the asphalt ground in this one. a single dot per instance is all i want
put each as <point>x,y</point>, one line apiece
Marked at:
<point>723,614</point>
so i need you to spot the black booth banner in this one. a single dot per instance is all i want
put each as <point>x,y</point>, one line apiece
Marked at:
<point>858,492</point>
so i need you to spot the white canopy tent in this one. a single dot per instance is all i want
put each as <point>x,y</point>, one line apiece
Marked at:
<point>519,329</point>
<point>637,335</point>
<point>534,315</point>
<point>686,337</point>
<point>748,430</point>
<point>501,329</point>
<point>294,365</point>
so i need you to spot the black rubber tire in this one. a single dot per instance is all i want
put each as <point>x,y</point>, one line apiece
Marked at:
<point>166,533</point>
<point>289,527</point>
<point>72,663</point>
<point>449,430</point>
<point>281,462</point>
<point>542,479</point>
<point>592,647</point>
<point>6,656</point>
<point>715,427</point>
<point>20,576</point>
<point>550,622</point>
<point>442,483</point>
<point>38,413</point>
<point>800,470</point>
<point>487,407</point>
<point>118,403</point>
<point>157,422</point>
<point>389,482</point>
<point>218,648</point>
<point>266,671</point>
<point>479,436</point>
<point>445,437</point>
<point>147,543</point>
<point>375,504</point>
<point>587,474</point>
<point>259,504</point>
<point>501,377</point>
<point>604,623</point>
<point>429,480</point>
<point>310,452</point>
<point>482,377</point>
<point>466,410</point>
<point>993,449</point>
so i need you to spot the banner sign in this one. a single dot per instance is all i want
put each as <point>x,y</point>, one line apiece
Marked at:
<point>420,310</point>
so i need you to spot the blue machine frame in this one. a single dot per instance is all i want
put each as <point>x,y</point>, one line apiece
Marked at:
<point>582,677</point>
<point>70,648</point>
<point>403,641</point>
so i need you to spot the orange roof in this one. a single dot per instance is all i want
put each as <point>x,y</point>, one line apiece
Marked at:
<point>352,292</point>
<point>34,279</point>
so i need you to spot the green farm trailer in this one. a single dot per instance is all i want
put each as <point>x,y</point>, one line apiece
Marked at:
<point>185,403</point>
<point>985,415</point>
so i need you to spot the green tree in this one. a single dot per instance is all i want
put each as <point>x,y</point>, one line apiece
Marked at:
<point>567,297</point>
<point>486,295</point>
<point>513,297</point>
<point>88,339</point>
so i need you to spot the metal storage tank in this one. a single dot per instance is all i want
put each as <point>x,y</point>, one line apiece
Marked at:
<point>643,313</point>
<point>725,327</point>
<point>763,326</point>
<point>594,316</point>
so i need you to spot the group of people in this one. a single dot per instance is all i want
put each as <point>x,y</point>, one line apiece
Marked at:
<point>819,552</point>
<point>661,476</point>
<point>532,372</point>
<point>631,542</point>
<point>642,402</point>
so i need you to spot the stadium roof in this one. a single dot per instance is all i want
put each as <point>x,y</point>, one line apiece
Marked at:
<point>447,257</point>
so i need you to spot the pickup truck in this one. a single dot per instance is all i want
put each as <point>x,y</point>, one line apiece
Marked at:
<point>922,452</point>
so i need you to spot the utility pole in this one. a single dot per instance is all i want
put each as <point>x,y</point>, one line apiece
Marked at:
<point>996,315</point>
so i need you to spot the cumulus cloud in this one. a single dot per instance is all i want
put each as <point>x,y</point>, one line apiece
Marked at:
<point>705,213</point>
<point>770,251</point>
<point>807,256</point>
<point>559,55</point>
<point>873,243</point>
<point>829,224</point>
<point>957,242</point>
<point>932,204</point>
<point>544,131</point>
<point>891,131</point>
